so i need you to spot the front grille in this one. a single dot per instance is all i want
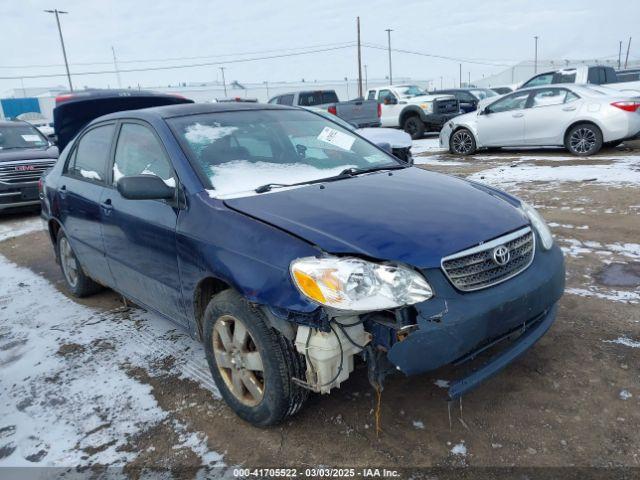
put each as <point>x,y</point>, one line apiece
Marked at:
<point>446,106</point>
<point>24,171</point>
<point>475,268</point>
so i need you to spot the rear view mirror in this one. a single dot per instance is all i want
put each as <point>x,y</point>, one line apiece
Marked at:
<point>145,187</point>
<point>386,146</point>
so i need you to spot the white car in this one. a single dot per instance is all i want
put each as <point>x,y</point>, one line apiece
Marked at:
<point>582,118</point>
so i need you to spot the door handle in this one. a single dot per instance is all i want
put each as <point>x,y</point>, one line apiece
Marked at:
<point>569,109</point>
<point>107,206</point>
<point>518,115</point>
<point>63,191</point>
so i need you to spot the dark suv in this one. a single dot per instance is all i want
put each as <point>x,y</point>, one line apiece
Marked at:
<point>24,155</point>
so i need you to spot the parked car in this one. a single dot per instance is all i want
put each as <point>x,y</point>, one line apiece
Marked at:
<point>359,112</point>
<point>412,109</point>
<point>630,75</point>
<point>395,141</point>
<point>75,109</point>
<point>289,246</point>
<point>25,154</point>
<point>468,97</point>
<point>595,75</point>
<point>502,90</point>
<point>583,119</point>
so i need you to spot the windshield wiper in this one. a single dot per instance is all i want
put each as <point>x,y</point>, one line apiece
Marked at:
<point>346,173</point>
<point>356,171</point>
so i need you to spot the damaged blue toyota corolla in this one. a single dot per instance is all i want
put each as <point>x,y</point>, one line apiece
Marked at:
<point>290,245</point>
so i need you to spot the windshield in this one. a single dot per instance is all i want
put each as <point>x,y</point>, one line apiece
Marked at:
<point>482,93</point>
<point>236,152</point>
<point>410,91</point>
<point>21,136</point>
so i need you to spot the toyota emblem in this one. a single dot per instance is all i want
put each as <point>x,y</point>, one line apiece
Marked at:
<point>501,255</point>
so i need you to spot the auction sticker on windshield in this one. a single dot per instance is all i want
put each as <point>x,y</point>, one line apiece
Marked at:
<point>334,137</point>
<point>31,138</point>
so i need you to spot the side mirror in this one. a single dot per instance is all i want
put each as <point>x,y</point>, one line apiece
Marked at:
<point>386,146</point>
<point>145,187</point>
<point>485,111</point>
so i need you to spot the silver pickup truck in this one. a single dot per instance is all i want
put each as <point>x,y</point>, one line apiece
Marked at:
<point>359,112</point>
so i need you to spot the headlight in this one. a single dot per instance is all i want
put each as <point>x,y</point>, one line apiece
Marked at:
<point>427,107</point>
<point>539,225</point>
<point>353,284</point>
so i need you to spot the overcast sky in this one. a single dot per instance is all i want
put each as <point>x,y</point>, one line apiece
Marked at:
<point>493,31</point>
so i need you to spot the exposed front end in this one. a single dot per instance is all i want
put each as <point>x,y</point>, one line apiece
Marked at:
<point>19,182</point>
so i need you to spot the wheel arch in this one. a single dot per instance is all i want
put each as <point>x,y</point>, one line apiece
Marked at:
<point>205,290</point>
<point>409,111</point>
<point>469,129</point>
<point>580,122</point>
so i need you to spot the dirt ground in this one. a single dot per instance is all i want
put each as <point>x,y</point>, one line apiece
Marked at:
<point>572,400</point>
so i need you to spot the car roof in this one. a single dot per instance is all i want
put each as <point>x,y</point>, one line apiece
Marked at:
<point>181,110</point>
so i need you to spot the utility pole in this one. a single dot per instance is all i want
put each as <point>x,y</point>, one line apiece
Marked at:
<point>388,30</point>
<point>620,55</point>
<point>535,60</point>
<point>626,60</point>
<point>224,83</point>
<point>115,65</point>
<point>366,78</point>
<point>64,51</point>
<point>460,76</point>
<point>359,62</point>
<point>440,82</point>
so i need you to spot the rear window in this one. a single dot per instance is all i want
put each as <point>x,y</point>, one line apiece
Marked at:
<point>564,77</point>
<point>310,99</point>
<point>92,154</point>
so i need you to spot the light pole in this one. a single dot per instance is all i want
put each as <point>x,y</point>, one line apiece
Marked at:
<point>535,61</point>
<point>64,51</point>
<point>224,83</point>
<point>366,78</point>
<point>266,84</point>
<point>346,80</point>
<point>388,30</point>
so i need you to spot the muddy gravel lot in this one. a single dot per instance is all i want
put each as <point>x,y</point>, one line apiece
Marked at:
<point>98,383</point>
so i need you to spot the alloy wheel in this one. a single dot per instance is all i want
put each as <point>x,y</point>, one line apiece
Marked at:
<point>68,263</point>
<point>238,360</point>
<point>462,142</point>
<point>583,140</point>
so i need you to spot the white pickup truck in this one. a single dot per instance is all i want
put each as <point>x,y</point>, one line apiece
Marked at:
<point>593,74</point>
<point>412,109</point>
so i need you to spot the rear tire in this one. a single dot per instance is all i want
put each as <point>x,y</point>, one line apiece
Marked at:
<point>414,127</point>
<point>252,364</point>
<point>462,142</point>
<point>79,284</point>
<point>583,139</point>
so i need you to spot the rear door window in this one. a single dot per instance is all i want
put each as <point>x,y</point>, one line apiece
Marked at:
<point>91,156</point>
<point>139,152</point>
<point>310,99</point>
<point>548,97</point>
<point>384,94</point>
<point>285,99</point>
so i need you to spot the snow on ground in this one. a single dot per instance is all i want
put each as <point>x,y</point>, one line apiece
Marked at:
<point>624,170</point>
<point>627,342</point>
<point>65,396</point>
<point>426,145</point>
<point>459,449</point>
<point>21,226</point>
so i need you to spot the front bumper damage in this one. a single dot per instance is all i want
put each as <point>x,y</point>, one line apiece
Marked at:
<point>454,327</point>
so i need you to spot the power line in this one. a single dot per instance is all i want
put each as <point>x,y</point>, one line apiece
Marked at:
<point>198,57</point>
<point>177,67</point>
<point>432,55</point>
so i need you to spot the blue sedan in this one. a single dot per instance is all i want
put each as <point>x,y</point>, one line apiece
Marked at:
<point>291,246</point>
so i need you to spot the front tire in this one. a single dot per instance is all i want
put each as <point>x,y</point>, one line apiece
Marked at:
<point>252,364</point>
<point>79,284</point>
<point>583,139</point>
<point>462,142</point>
<point>414,127</point>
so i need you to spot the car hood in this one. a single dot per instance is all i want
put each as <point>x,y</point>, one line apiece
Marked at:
<point>412,215</point>
<point>12,155</point>
<point>394,137</point>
